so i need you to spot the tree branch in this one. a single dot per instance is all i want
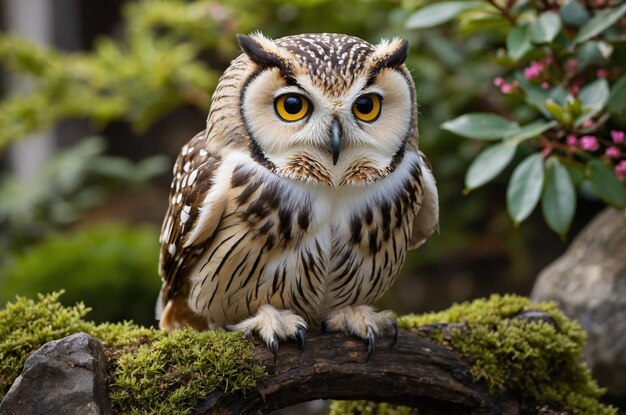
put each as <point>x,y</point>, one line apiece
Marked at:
<point>416,372</point>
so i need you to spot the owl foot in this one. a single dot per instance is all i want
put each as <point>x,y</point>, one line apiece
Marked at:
<point>273,325</point>
<point>363,322</point>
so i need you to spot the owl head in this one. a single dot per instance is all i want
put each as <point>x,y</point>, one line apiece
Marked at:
<point>328,109</point>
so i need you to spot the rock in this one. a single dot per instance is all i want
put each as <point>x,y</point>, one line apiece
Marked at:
<point>65,376</point>
<point>589,284</point>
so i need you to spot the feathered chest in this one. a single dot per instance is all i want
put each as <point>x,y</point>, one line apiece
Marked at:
<point>304,247</point>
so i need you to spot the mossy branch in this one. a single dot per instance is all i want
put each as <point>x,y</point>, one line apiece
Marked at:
<point>498,355</point>
<point>416,372</point>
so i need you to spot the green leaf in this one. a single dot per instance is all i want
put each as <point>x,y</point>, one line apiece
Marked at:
<point>605,184</point>
<point>518,42</point>
<point>545,28</point>
<point>574,14</point>
<point>531,130</point>
<point>489,163</point>
<point>592,53</point>
<point>593,97</point>
<point>438,13</point>
<point>556,111</point>
<point>600,22</point>
<point>617,98</point>
<point>558,200</point>
<point>537,96</point>
<point>525,187</point>
<point>576,171</point>
<point>480,126</point>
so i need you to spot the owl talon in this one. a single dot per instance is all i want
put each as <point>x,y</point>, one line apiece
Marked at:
<point>273,326</point>
<point>364,322</point>
<point>301,336</point>
<point>273,346</point>
<point>324,326</point>
<point>371,341</point>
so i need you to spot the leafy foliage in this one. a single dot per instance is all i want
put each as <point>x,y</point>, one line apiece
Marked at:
<point>564,81</point>
<point>75,180</point>
<point>111,267</point>
<point>170,55</point>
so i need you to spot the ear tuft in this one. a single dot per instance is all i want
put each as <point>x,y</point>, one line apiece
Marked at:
<point>398,56</point>
<point>392,54</point>
<point>254,49</point>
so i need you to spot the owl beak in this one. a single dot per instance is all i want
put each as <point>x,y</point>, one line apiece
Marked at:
<point>335,140</point>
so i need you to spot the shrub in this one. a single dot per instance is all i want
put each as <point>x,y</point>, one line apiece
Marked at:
<point>111,267</point>
<point>564,100</point>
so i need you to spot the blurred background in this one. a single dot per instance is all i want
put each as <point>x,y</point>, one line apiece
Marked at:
<point>99,97</point>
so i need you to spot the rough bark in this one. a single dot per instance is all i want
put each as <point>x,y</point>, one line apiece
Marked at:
<point>415,372</point>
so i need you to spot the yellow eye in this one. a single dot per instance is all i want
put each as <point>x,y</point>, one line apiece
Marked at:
<point>367,107</point>
<point>291,107</point>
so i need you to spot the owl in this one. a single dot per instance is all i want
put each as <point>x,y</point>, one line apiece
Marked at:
<point>296,206</point>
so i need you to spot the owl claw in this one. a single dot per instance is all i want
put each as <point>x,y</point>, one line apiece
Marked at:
<point>273,346</point>
<point>364,322</point>
<point>371,341</point>
<point>301,336</point>
<point>324,326</point>
<point>273,326</point>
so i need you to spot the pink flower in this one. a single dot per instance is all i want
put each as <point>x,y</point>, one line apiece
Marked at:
<point>534,70</point>
<point>572,64</point>
<point>498,82</point>
<point>620,170</point>
<point>506,88</point>
<point>575,89</point>
<point>612,152</point>
<point>602,73</point>
<point>546,152</point>
<point>589,143</point>
<point>571,140</point>
<point>617,136</point>
<point>545,85</point>
<point>587,124</point>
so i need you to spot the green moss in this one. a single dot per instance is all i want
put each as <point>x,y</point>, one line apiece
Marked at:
<point>174,373</point>
<point>150,372</point>
<point>538,361</point>
<point>369,408</point>
<point>25,325</point>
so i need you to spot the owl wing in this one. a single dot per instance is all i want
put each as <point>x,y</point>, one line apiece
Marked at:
<point>189,222</point>
<point>426,221</point>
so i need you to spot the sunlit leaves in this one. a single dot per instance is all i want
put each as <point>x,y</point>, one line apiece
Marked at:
<point>439,12</point>
<point>480,126</point>
<point>593,97</point>
<point>545,28</point>
<point>518,42</point>
<point>525,187</point>
<point>488,164</point>
<point>600,22</point>
<point>558,200</point>
<point>531,130</point>
<point>563,66</point>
